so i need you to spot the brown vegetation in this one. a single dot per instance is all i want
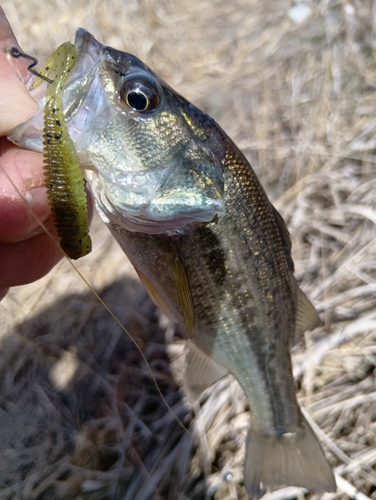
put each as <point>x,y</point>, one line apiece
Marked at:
<point>80,416</point>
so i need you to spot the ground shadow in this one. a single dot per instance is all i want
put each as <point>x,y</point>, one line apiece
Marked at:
<point>81,416</point>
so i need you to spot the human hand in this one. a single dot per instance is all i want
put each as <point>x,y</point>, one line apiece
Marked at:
<point>26,252</point>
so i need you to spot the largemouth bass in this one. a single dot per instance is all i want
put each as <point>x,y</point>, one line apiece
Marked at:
<point>189,212</point>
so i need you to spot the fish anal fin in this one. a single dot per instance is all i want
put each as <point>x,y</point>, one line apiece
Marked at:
<point>200,372</point>
<point>294,459</point>
<point>306,315</point>
<point>183,289</point>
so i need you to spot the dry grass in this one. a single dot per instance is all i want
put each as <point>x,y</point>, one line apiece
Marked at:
<point>80,416</point>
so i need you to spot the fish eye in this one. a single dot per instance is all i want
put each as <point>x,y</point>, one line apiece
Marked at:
<point>139,95</point>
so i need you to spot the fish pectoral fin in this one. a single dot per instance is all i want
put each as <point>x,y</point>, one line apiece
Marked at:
<point>183,289</point>
<point>306,315</point>
<point>294,459</point>
<point>153,294</point>
<point>200,372</point>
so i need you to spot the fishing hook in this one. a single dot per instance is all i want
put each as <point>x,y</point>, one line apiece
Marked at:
<point>16,53</point>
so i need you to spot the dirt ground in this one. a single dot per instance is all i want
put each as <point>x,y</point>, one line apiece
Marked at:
<point>293,83</point>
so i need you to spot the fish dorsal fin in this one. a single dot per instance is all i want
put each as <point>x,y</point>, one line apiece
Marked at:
<point>183,289</point>
<point>200,372</point>
<point>285,236</point>
<point>306,315</point>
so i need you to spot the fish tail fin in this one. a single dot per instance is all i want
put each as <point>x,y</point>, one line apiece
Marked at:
<point>294,459</point>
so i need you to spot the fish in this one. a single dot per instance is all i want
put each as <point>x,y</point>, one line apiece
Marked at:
<point>187,208</point>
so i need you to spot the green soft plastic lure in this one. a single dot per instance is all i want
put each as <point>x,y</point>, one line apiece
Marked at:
<point>63,174</point>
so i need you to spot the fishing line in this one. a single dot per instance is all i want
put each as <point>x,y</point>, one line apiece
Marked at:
<point>102,302</point>
<point>16,53</point>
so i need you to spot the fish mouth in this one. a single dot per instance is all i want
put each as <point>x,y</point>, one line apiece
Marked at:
<point>86,43</point>
<point>29,133</point>
<point>88,51</point>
